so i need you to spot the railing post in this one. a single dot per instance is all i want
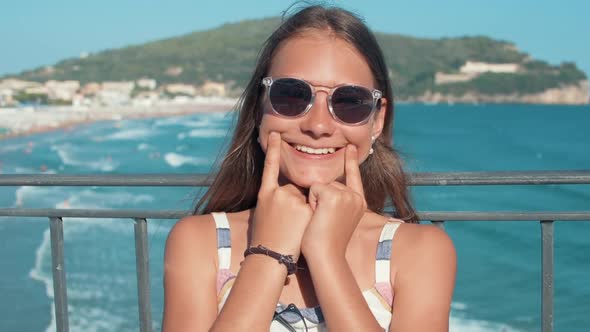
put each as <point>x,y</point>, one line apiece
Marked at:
<point>60,296</point>
<point>439,223</point>
<point>143,275</point>
<point>547,275</point>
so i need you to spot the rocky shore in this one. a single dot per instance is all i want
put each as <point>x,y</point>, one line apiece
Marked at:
<point>578,94</point>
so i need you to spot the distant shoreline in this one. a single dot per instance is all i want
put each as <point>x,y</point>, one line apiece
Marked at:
<point>25,121</point>
<point>19,122</point>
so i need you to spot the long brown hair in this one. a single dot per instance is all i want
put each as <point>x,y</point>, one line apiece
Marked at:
<point>235,188</point>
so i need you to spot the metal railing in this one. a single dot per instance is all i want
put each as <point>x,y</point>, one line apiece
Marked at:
<point>140,217</point>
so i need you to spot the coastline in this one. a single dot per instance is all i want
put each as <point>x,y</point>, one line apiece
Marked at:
<point>18,122</point>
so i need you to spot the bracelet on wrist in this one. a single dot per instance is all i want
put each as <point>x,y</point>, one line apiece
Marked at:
<point>286,260</point>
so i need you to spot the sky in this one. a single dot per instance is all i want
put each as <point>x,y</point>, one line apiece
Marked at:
<point>36,33</point>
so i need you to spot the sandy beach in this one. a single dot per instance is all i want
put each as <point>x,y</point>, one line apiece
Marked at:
<point>24,121</point>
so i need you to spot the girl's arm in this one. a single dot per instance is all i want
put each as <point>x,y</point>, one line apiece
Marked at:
<point>338,209</point>
<point>190,276</point>
<point>279,222</point>
<point>424,280</point>
<point>190,272</point>
<point>343,304</point>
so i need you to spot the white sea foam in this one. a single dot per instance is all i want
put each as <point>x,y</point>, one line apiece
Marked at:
<point>27,170</point>
<point>53,324</point>
<point>70,155</point>
<point>38,196</point>
<point>181,121</point>
<point>459,324</point>
<point>94,319</point>
<point>12,147</point>
<point>203,133</point>
<point>37,272</point>
<point>177,160</point>
<point>24,170</point>
<point>211,133</point>
<point>128,135</point>
<point>458,306</point>
<point>143,147</point>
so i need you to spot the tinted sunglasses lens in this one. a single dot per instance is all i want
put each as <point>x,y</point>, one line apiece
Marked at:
<point>352,104</point>
<point>289,97</point>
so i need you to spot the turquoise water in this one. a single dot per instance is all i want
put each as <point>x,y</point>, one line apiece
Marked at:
<point>498,282</point>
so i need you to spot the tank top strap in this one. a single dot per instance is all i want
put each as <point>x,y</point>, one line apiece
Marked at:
<point>223,239</point>
<point>382,264</point>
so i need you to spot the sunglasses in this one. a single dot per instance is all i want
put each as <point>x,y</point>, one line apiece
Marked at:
<point>349,104</point>
<point>290,309</point>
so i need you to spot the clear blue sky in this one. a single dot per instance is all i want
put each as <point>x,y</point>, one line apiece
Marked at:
<point>39,32</point>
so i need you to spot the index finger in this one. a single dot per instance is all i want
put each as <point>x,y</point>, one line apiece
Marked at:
<point>270,173</point>
<point>352,171</point>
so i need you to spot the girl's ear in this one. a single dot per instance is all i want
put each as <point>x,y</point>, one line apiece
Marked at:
<point>379,119</point>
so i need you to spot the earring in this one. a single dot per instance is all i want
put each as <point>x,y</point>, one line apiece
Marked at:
<point>372,142</point>
<point>258,139</point>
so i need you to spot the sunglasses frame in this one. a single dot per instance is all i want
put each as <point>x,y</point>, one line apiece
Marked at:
<point>377,95</point>
<point>291,308</point>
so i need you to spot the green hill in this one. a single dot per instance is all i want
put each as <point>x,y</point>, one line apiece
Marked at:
<point>227,54</point>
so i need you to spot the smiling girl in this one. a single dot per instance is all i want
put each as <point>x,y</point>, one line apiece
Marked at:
<point>291,235</point>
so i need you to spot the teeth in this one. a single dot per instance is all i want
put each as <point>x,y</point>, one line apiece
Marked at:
<point>309,150</point>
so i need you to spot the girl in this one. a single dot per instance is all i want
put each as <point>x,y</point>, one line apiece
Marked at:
<point>291,235</point>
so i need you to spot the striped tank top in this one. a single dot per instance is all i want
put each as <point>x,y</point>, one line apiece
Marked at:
<point>379,297</point>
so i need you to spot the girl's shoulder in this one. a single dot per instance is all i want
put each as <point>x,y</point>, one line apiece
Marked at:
<point>422,250</point>
<point>198,232</point>
<point>189,235</point>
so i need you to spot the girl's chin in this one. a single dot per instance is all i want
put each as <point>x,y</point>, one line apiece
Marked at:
<point>308,181</point>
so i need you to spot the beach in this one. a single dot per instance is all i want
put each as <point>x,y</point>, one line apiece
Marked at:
<point>22,121</point>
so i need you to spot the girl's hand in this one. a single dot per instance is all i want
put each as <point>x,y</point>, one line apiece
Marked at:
<point>282,213</point>
<point>337,210</point>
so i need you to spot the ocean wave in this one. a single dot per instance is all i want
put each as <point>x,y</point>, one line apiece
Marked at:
<point>128,135</point>
<point>71,155</point>
<point>94,319</point>
<point>12,147</point>
<point>204,122</point>
<point>460,324</point>
<point>143,147</point>
<point>90,199</point>
<point>27,170</point>
<point>203,133</point>
<point>37,272</point>
<point>207,133</point>
<point>38,196</point>
<point>177,160</point>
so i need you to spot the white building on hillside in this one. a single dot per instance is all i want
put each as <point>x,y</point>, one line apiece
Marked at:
<point>474,67</point>
<point>62,90</point>
<point>181,89</point>
<point>211,88</point>
<point>115,93</point>
<point>146,83</point>
<point>17,85</point>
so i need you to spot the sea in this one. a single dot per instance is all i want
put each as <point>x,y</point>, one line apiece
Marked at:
<point>498,286</point>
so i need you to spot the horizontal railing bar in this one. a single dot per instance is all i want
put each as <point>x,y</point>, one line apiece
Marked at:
<point>505,216</point>
<point>425,215</point>
<point>500,178</point>
<point>85,213</point>
<point>106,180</point>
<point>200,180</point>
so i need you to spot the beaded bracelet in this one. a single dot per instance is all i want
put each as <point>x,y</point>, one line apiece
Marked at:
<point>286,260</point>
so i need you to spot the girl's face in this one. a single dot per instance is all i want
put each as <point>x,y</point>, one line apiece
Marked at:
<point>325,61</point>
